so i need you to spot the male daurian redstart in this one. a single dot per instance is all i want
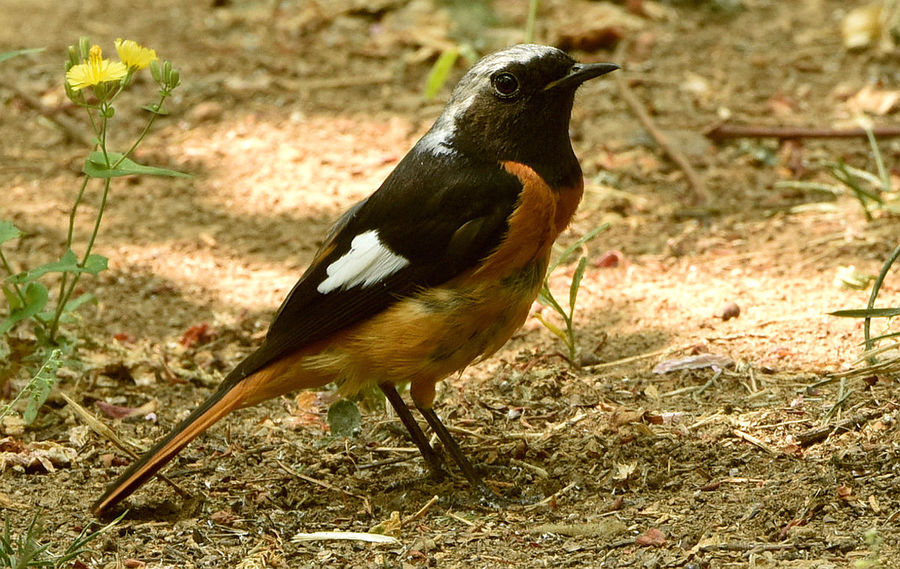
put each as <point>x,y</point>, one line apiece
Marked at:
<point>435,270</point>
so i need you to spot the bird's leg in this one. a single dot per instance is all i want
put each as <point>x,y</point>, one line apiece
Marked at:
<point>488,496</point>
<point>435,464</point>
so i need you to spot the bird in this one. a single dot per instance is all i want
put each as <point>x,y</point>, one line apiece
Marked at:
<point>435,270</point>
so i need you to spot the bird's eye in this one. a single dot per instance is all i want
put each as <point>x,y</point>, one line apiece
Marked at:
<point>506,85</point>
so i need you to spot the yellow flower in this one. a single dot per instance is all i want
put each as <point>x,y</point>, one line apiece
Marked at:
<point>95,71</point>
<point>133,54</point>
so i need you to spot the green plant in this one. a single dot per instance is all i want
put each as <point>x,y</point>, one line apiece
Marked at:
<point>872,191</point>
<point>532,20</point>
<point>38,387</point>
<point>26,551</point>
<point>546,297</point>
<point>873,560</point>
<point>870,312</point>
<point>93,83</point>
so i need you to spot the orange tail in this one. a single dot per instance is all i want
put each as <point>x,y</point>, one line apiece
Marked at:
<point>226,399</point>
<point>238,389</point>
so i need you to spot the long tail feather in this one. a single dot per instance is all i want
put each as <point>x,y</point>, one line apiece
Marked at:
<point>228,397</point>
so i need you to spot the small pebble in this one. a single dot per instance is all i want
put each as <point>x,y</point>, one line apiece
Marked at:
<point>729,311</point>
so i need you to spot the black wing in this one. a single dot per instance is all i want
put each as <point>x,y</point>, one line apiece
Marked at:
<point>443,214</point>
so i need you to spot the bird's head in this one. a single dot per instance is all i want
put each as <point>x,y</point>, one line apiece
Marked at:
<point>513,105</point>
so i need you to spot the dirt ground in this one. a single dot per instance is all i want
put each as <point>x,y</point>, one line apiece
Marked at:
<point>291,111</point>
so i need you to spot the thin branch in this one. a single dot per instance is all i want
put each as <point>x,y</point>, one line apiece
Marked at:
<point>727,131</point>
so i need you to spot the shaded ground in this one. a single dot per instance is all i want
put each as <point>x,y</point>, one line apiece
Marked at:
<point>287,117</point>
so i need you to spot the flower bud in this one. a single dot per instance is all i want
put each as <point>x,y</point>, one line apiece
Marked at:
<point>74,57</point>
<point>84,47</point>
<point>155,71</point>
<point>174,79</point>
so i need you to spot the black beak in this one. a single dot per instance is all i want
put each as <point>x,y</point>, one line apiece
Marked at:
<point>581,72</point>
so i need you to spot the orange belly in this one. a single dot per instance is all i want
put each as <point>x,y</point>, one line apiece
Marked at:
<point>428,336</point>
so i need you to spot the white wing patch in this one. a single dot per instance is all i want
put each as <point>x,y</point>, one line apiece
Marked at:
<point>367,262</point>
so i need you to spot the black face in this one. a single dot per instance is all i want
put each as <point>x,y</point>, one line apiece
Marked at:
<point>514,105</point>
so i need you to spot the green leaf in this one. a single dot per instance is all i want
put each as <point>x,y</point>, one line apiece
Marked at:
<point>40,385</point>
<point>155,109</point>
<point>576,283</point>
<point>12,299</point>
<point>36,296</point>
<point>95,166</point>
<point>95,264</point>
<point>867,313</point>
<point>883,337</point>
<point>71,306</point>
<point>39,392</point>
<point>552,327</point>
<point>439,72</point>
<point>68,264</point>
<point>8,231</point>
<point>571,248</point>
<point>546,298</point>
<point>344,418</point>
<point>12,54</point>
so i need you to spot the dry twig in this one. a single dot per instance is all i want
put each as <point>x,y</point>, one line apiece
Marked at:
<point>727,131</point>
<point>818,434</point>
<point>101,429</point>
<point>756,441</point>
<point>644,117</point>
<point>422,511</point>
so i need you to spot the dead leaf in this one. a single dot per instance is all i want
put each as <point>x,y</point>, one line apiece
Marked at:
<point>390,527</point>
<point>870,99</point>
<point>12,425</point>
<point>845,492</point>
<point>43,455</point>
<point>121,412</point>
<point>197,334</point>
<point>308,412</point>
<point>862,26</point>
<point>623,470</point>
<point>223,517</point>
<point>124,338</point>
<point>79,435</point>
<point>589,26</point>
<point>622,416</point>
<point>592,39</point>
<point>652,537</point>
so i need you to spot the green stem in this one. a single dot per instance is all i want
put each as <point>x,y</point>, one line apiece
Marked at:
<point>144,132</point>
<point>54,355</point>
<point>71,235</point>
<point>103,128</point>
<point>883,176</point>
<point>870,343</point>
<point>9,271</point>
<point>570,339</point>
<point>532,19</point>
<point>93,121</point>
<point>66,289</point>
<point>87,253</point>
